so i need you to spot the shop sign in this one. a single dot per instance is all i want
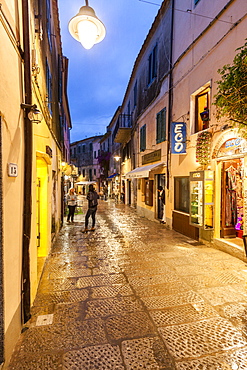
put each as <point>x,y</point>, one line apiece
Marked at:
<point>178,138</point>
<point>232,146</point>
<point>151,157</point>
<point>48,151</point>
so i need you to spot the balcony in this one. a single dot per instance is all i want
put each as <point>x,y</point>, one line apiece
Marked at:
<point>123,129</point>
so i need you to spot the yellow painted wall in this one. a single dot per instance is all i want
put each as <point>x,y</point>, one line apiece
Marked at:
<point>13,151</point>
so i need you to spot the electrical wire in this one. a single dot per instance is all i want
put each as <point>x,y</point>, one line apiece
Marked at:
<point>149,2</point>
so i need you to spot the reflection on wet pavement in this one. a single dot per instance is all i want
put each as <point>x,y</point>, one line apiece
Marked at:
<point>134,295</point>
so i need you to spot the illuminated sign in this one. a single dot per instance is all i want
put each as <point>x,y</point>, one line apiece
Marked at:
<point>178,138</point>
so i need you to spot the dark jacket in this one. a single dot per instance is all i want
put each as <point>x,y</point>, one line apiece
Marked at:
<point>163,196</point>
<point>92,198</point>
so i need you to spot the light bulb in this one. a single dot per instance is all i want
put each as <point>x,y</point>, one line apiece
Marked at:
<point>87,32</point>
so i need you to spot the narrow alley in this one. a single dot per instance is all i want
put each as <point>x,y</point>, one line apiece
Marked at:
<point>134,295</point>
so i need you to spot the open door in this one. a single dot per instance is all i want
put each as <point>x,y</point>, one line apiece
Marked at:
<point>232,197</point>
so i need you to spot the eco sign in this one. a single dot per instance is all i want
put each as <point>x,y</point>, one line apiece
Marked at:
<point>178,138</point>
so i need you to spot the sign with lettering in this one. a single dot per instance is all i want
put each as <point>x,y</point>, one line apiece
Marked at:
<point>178,138</point>
<point>232,146</point>
<point>12,170</point>
<point>48,151</point>
<point>151,157</point>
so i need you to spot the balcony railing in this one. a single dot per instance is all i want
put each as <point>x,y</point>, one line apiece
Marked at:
<point>123,128</point>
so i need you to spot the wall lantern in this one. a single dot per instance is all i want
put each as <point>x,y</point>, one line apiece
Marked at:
<point>34,113</point>
<point>117,158</point>
<point>205,115</point>
<point>86,28</point>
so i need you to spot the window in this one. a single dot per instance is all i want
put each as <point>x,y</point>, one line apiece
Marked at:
<point>95,155</point>
<point>79,149</point>
<point>94,171</point>
<point>143,138</point>
<point>48,22</point>
<point>181,194</point>
<point>75,151</point>
<point>49,87</point>
<point>196,1</point>
<point>90,146</point>
<point>83,148</point>
<point>135,94</point>
<point>152,65</point>
<point>202,110</point>
<point>161,126</point>
<point>83,173</point>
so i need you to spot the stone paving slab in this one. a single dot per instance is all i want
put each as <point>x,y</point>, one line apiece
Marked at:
<point>135,295</point>
<point>201,338</point>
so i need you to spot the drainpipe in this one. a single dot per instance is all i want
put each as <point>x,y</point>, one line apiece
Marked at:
<point>170,101</point>
<point>28,153</point>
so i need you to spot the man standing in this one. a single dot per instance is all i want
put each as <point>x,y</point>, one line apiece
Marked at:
<point>71,199</point>
<point>92,198</point>
<point>162,196</point>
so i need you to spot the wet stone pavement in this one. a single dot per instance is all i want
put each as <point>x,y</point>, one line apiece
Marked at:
<point>134,295</point>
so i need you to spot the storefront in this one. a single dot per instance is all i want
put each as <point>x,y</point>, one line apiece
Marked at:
<point>142,188</point>
<point>230,156</point>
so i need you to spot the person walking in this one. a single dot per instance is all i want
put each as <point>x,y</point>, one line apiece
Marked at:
<point>162,197</point>
<point>71,199</point>
<point>92,198</point>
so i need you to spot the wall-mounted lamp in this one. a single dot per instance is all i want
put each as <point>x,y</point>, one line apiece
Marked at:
<point>34,113</point>
<point>86,28</point>
<point>205,114</point>
<point>117,157</point>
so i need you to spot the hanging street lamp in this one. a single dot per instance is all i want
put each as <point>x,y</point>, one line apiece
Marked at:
<point>86,28</point>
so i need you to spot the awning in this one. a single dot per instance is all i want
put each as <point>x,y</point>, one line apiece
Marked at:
<point>85,182</point>
<point>112,176</point>
<point>143,171</point>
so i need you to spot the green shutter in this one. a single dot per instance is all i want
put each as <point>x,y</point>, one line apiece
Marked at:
<point>163,125</point>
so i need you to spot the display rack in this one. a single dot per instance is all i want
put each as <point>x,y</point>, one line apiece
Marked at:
<point>202,198</point>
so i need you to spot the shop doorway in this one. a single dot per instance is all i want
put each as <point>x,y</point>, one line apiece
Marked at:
<point>38,218</point>
<point>129,192</point>
<point>42,204</point>
<point>232,198</point>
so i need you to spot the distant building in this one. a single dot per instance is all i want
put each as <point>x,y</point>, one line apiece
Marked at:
<point>84,155</point>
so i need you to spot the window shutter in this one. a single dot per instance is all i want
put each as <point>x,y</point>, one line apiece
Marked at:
<point>163,125</point>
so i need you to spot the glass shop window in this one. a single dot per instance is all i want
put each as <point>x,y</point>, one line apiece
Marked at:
<point>181,194</point>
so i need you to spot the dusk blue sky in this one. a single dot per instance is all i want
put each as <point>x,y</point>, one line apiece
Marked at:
<point>98,77</point>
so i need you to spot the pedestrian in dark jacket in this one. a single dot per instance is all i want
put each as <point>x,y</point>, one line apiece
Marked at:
<point>162,196</point>
<point>92,198</point>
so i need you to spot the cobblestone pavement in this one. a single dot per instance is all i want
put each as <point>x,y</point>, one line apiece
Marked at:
<point>134,295</point>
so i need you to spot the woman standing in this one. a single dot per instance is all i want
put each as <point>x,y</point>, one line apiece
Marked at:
<point>71,199</point>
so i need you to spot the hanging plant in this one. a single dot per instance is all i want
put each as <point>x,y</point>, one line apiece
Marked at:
<point>203,146</point>
<point>104,162</point>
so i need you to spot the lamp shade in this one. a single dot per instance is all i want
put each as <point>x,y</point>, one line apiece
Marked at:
<point>86,28</point>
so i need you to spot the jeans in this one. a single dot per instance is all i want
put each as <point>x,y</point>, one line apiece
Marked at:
<point>71,213</point>
<point>90,212</point>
